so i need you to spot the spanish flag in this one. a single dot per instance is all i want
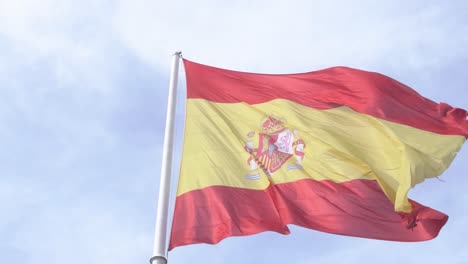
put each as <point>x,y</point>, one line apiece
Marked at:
<point>335,150</point>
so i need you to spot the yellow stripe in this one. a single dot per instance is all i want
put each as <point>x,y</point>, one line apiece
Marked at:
<point>341,145</point>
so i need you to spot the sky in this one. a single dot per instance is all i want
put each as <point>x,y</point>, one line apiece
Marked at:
<point>83,88</point>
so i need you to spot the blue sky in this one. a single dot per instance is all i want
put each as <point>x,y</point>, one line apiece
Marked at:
<point>83,88</point>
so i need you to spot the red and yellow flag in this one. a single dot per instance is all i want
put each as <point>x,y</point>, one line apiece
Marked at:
<point>335,150</point>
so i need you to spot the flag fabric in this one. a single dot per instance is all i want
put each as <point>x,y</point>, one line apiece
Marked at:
<point>335,150</point>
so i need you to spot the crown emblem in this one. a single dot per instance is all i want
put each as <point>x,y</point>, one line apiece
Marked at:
<point>272,124</point>
<point>275,145</point>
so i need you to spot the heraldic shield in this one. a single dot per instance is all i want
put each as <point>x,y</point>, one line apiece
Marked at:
<point>276,144</point>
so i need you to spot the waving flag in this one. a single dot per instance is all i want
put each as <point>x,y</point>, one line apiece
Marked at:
<point>335,150</point>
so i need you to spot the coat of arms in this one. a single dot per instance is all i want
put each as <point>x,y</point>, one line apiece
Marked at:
<point>276,144</point>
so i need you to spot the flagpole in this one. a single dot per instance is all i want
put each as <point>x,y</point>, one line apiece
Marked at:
<point>160,247</point>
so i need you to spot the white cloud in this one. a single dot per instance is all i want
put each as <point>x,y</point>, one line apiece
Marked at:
<point>68,39</point>
<point>62,227</point>
<point>295,35</point>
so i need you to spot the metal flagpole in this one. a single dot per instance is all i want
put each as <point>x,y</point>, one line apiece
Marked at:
<point>159,250</point>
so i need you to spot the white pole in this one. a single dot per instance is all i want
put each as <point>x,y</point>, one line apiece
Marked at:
<point>159,250</point>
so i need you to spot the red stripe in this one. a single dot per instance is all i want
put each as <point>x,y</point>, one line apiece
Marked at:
<point>355,208</point>
<point>365,92</point>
